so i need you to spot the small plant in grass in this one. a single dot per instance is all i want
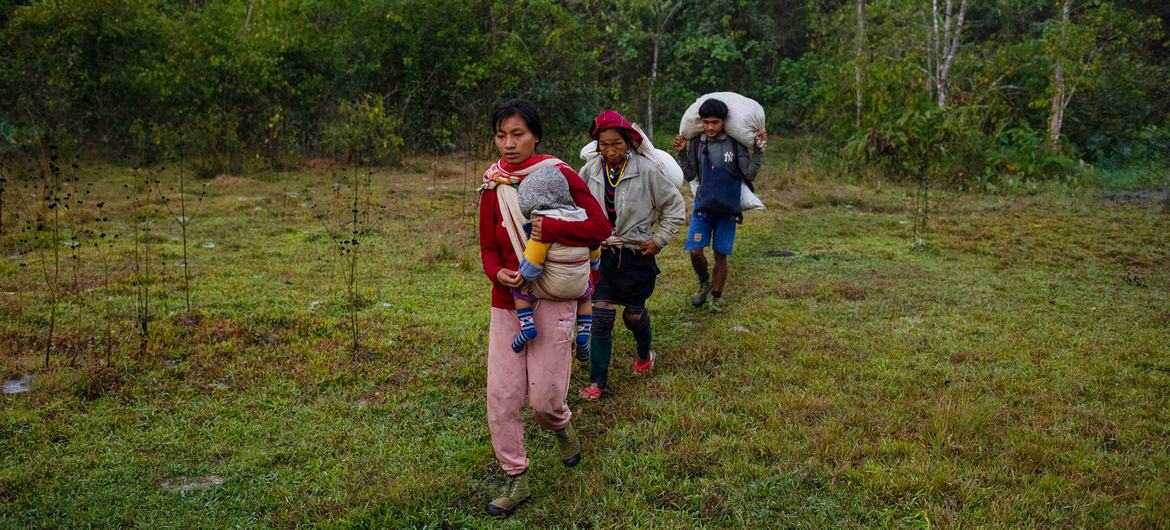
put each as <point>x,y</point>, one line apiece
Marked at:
<point>77,199</point>
<point>20,303</point>
<point>921,137</point>
<point>142,220</point>
<point>24,241</point>
<point>103,242</point>
<point>921,210</point>
<point>21,234</point>
<point>44,225</point>
<point>183,216</point>
<point>345,221</point>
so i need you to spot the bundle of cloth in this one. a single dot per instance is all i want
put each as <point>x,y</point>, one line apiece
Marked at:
<point>557,272</point>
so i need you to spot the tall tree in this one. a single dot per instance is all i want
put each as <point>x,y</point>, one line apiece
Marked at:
<point>858,57</point>
<point>942,45</point>
<point>1089,44</point>
<point>663,12</point>
<point>1059,101</point>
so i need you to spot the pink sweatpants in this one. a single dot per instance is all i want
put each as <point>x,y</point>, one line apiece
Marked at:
<point>540,372</point>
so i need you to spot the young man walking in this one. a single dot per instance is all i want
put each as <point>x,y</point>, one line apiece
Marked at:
<point>721,164</point>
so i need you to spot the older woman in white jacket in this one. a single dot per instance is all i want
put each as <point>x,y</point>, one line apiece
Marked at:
<point>646,210</point>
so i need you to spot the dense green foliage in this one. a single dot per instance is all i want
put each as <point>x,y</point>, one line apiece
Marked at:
<point>256,83</point>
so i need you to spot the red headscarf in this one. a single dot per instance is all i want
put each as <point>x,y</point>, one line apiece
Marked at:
<point>610,119</point>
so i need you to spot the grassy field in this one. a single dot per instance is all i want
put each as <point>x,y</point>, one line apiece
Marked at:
<point>1013,370</point>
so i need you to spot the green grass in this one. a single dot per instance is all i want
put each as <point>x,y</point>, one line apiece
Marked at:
<point>1013,372</point>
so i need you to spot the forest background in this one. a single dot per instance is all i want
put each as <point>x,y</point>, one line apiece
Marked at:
<point>987,95</point>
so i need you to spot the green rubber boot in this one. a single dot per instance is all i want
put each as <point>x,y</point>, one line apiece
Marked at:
<point>716,305</point>
<point>570,445</point>
<point>700,295</point>
<point>514,493</point>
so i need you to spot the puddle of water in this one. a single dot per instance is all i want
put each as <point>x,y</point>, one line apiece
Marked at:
<point>19,385</point>
<point>208,244</point>
<point>188,484</point>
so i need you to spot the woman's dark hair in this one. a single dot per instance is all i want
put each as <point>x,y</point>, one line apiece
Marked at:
<point>624,132</point>
<point>713,108</point>
<point>527,111</point>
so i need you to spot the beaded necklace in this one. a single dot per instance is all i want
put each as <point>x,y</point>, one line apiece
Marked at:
<point>610,172</point>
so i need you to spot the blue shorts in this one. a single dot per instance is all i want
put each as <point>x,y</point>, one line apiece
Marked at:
<point>719,233</point>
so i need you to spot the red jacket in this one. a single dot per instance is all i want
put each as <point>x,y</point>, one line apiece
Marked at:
<point>496,250</point>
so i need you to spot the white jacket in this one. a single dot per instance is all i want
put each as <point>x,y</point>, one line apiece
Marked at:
<point>643,197</point>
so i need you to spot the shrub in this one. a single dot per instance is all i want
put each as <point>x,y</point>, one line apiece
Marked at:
<point>362,129</point>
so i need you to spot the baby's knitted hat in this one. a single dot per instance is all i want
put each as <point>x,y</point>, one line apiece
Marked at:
<point>545,189</point>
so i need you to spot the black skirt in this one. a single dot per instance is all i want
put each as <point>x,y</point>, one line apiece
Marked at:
<point>627,277</point>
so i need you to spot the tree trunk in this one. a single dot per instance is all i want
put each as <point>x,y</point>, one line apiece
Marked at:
<point>1056,120</point>
<point>659,31</point>
<point>650,93</point>
<point>942,48</point>
<point>1059,101</point>
<point>932,49</point>
<point>248,17</point>
<point>857,62</point>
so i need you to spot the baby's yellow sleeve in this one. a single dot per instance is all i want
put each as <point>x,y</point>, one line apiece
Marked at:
<point>536,251</point>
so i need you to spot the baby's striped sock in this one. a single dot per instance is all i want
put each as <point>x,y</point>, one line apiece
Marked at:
<point>527,329</point>
<point>584,329</point>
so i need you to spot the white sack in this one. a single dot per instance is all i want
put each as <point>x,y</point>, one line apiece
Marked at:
<point>745,118</point>
<point>589,152</point>
<point>748,201</point>
<point>670,168</point>
<point>663,160</point>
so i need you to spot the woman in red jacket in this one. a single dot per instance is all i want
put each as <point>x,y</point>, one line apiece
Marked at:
<point>541,371</point>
